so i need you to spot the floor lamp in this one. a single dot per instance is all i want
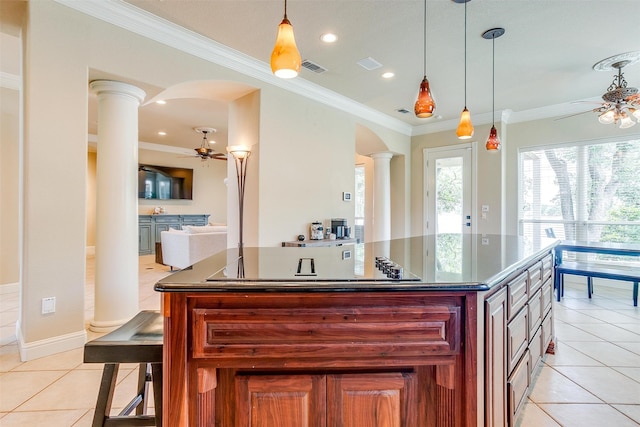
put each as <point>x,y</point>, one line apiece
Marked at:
<point>241,155</point>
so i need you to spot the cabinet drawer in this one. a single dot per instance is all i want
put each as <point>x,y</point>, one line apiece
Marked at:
<point>535,277</point>
<point>547,331</point>
<point>517,338</point>
<point>194,219</point>
<point>518,388</point>
<point>547,267</point>
<point>517,295</point>
<point>300,336</point>
<point>535,312</point>
<point>171,219</point>
<point>535,351</point>
<point>547,296</point>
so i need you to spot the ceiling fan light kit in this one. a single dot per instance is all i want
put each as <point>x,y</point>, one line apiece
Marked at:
<point>493,142</point>
<point>621,101</point>
<point>465,127</point>
<point>205,152</point>
<point>285,58</point>
<point>425,105</point>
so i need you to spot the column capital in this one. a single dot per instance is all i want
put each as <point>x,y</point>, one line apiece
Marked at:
<point>381,155</point>
<point>113,87</point>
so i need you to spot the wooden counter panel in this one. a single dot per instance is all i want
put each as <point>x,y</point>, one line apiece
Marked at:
<point>336,333</point>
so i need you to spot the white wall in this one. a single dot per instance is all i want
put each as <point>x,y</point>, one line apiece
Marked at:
<point>307,158</point>
<point>9,175</point>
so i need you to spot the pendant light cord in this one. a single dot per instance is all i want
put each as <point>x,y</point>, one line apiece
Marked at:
<point>465,54</point>
<point>493,82</point>
<point>424,39</point>
<point>285,9</point>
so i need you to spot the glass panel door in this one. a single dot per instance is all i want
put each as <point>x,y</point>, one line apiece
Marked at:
<point>448,208</point>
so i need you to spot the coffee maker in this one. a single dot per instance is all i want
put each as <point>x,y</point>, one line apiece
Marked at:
<point>339,228</point>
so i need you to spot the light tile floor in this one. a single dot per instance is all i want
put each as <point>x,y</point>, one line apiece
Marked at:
<point>593,379</point>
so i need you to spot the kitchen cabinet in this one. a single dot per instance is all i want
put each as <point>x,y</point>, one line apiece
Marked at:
<point>150,227</point>
<point>338,400</point>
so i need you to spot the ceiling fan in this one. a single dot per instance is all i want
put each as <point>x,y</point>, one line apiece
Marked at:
<point>205,152</point>
<point>621,102</point>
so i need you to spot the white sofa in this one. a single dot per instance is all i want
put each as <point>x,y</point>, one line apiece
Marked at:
<point>183,248</point>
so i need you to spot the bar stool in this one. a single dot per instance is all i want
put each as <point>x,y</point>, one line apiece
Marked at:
<point>137,341</point>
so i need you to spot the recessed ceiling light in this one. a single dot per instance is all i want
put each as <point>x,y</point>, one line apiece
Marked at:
<point>162,133</point>
<point>328,37</point>
<point>387,75</point>
<point>161,102</point>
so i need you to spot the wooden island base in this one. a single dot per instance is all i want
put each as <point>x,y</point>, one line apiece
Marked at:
<point>320,359</point>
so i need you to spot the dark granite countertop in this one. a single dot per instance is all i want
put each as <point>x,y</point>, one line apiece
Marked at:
<point>433,262</point>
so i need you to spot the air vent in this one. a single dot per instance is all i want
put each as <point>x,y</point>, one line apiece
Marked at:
<point>369,63</point>
<point>403,111</point>
<point>312,66</point>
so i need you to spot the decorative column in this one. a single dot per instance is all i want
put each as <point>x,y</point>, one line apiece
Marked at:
<point>116,258</point>
<point>381,196</point>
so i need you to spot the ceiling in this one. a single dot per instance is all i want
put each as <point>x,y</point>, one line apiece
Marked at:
<point>543,63</point>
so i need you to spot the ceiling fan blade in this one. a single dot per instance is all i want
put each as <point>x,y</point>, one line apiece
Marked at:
<point>587,102</point>
<point>573,115</point>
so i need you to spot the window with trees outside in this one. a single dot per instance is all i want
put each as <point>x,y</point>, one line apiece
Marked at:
<point>588,192</point>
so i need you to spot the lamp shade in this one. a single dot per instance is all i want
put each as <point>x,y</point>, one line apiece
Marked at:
<point>425,104</point>
<point>465,127</point>
<point>493,143</point>
<point>607,117</point>
<point>625,121</point>
<point>285,58</point>
<point>239,151</point>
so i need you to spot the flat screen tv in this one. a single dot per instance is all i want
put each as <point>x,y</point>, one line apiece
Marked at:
<point>164,183</point>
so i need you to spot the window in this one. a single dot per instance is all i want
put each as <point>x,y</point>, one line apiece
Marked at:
<point>585,192</point>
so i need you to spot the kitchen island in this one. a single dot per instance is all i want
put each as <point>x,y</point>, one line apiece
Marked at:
<point>442,330</point>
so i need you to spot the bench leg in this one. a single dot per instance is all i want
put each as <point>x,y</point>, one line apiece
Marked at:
<point>635,293</point>
<point>557,285</point>
<point>589,286</point>
<point>105,394</point>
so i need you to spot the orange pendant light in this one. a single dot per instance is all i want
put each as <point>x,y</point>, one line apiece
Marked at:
<point>465,127</point>
<point>493,142</point>
<point>285,58</point>
<point>425,105</point>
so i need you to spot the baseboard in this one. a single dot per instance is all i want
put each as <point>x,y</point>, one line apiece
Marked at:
<point>49,346</point>
<point>9,288</point>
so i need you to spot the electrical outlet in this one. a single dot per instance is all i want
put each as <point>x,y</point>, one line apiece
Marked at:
<point>48,305</point>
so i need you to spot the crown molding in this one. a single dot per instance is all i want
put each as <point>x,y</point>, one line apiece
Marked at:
<point>138,21</point>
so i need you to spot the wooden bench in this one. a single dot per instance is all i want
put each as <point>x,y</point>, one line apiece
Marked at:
<point>137,341</point>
